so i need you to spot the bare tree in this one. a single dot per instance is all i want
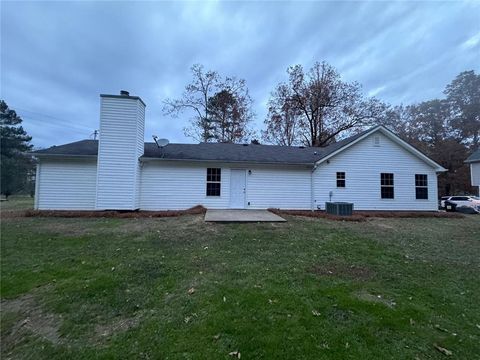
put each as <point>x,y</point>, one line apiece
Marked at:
<point>221,107</point>
<point>327,106</point>
<point>195,98</point>
<point>283,119</point>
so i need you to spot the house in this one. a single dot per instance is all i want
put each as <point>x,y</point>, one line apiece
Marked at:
<point>474,161</point>
<point>375,170</point>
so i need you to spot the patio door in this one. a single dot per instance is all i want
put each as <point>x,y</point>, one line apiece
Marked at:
<point>237,189</point>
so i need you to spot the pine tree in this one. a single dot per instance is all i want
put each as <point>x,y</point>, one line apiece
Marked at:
<point>16,164</point>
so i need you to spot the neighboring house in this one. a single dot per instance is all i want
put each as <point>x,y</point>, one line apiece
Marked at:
<point>474,161</point>
<point>375,170</point>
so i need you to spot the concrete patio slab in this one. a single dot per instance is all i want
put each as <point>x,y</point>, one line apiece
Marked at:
<point>242,216</point>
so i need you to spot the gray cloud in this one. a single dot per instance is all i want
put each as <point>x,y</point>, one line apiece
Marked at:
<point>57,57</point>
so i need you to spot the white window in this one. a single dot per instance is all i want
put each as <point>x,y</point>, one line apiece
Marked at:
<point>214,177</point>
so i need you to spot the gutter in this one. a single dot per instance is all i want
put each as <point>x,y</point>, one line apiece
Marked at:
<point>150,159</point>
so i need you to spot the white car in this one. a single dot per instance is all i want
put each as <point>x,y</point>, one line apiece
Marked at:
<point>471,201</point>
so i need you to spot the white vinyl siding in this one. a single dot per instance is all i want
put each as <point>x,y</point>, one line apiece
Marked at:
<point>363,163</point>
<point>278,188</point>
<point>475,173</point>
<point>173,186</point>
<point>121,144</point>
<point>67,184</point>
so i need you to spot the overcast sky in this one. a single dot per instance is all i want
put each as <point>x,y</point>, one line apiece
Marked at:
<point>57,57</point>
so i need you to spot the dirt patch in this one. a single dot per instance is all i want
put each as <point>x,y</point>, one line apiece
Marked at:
<point>112,214</point>
<point>376,299</point>
<point>33,319</point>
<point>119,325</point>
<point>336,269</point>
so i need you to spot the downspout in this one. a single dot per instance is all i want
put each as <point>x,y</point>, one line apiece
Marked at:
<point>312,188</point>
<point>37,185</point>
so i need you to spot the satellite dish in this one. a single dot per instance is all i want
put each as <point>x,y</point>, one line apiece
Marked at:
<point>160,142</point>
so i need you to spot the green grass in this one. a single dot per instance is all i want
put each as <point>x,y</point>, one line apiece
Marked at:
<point>17,202</point>
<point>305,289</point>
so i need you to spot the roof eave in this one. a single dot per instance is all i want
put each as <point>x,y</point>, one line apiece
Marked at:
<point>150,159</point>
<point>63,155</point>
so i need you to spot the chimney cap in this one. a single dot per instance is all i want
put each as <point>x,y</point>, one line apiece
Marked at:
<point>124,93</point>
<point>122,96</point>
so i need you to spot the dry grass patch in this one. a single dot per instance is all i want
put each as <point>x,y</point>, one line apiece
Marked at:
<point>338,269</point>
<point>32,319</point>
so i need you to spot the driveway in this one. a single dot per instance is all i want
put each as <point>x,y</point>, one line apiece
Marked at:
<point>242,216</point>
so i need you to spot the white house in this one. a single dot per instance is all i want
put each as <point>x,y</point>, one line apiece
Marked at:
<point>474,161</point>
<point>375,170</point>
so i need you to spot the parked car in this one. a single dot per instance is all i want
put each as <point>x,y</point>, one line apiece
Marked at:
<point>464,200</point>
<point>441,203</point>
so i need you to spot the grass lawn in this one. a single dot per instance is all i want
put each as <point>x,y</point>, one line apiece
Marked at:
<point>178,288</point>
<point>17,202</point>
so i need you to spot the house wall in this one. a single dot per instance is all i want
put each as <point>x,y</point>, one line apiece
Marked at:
<point>475,173</point>
<point>121,143</point>
<point>363,163</point>
<point>279,188</point>
<point>67,184</point>
<point>172,186</point>
<point>177,186</point>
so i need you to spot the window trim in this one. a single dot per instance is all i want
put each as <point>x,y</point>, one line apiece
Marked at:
<point>388,186</point>
<point>207,182</point>
<point>417,187</point>
<point>344,179</point>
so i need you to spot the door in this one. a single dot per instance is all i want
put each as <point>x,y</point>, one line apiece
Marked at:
<point>237,189</point>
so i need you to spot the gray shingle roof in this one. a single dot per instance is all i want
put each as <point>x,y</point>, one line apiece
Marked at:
<point>77,148</point>
<point>474,157</point>
<point>251,153</point>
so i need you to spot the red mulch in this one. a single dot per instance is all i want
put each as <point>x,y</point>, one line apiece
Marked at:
<point>363,215</point>
<point>318,214</point>
<point>110,214</point>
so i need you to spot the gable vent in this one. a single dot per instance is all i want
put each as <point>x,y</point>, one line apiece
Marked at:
<point>376,140</point>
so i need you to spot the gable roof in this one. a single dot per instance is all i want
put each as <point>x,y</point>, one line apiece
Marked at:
<point>392,136</point>
<point>239,153</point>
<point>474,157</point>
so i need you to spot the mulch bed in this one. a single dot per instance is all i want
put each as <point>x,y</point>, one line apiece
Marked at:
<point>363,215</point>
<point>105,214</point>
